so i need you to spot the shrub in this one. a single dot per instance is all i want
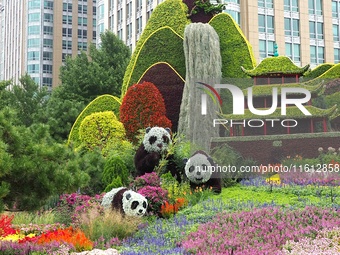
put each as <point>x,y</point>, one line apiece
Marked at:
<point>97,129</point>
<point>142,106</point>
<point>115,173</point>
<point>317,71</point>
<point>156,196</point>
<point>100,104</point>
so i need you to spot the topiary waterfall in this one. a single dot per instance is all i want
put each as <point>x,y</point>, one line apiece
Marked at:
<point>203,64</point>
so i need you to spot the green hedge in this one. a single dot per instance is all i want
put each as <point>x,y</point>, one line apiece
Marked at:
<point>267,90</point>
<point>172,13</point>
<point>332,73</point>
<point>274,137</point>
<point>164,45</point>
<point>235,49</point>
<point>292,112</point>
<point>280,64</point>
<point>317,71</point>
<point>100,104</point>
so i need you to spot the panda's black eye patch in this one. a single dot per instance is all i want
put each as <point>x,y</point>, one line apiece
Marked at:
<point>165,139</point>
<point>144,204</point>
<point>191,169</point>
<point>152,139</point>
<point>134,205</point>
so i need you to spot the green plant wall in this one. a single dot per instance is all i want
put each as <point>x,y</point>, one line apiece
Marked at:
<point>172,13</point>
<point>317,71</point>
<point>100,104</point>
<point>235,49</point>
<point>164,45</point>
<point>332,73</point>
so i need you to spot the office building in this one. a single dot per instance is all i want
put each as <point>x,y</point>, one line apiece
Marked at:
<point>39,34</point>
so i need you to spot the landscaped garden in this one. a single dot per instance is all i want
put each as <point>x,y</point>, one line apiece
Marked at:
<point>133,147</point>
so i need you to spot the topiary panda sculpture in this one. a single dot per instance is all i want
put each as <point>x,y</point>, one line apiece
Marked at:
<point>126,201</point>
<point>198,169</point>
<point>155,145</point>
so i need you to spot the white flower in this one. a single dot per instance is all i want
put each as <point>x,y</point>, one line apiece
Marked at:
<point>134,204</point>
<point>321,149</point>
<point>331,149</point>
<point>108,197</point>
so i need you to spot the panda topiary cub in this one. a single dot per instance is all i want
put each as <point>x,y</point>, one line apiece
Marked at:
<point>126,201</point>
<point>155,144</point>
<point>198,169</point>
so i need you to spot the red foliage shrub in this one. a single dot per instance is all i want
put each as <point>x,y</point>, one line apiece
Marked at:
<point>142,107</point>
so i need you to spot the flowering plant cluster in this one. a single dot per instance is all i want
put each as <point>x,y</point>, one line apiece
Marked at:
<point>168,209</point>
<point>148,179</point>
<point>156,196</point>
<point>142,106</point>
<point>261,231</point>
<point>72,205</point>
<point>6,225</point>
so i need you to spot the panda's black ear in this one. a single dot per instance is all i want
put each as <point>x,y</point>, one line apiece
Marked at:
<point>185,160</point>
<point>128,196</point>
<point>147,130</point>
<point>210,160</point>
<point>168,129</point>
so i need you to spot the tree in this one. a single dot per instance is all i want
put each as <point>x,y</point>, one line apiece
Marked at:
<point>27,99</point>
<point>101,72</point>
<point>36,166</point>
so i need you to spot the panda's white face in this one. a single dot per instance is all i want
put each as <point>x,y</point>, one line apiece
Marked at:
<point>198,168</point>
<point>157,139</point>
<point>134,204</point>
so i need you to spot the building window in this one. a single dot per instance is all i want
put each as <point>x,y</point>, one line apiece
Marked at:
<point>235,15</point>
<point>101,12</point>
<point>82,21</point>
<point>316,30</point>
<point>266,24</point>
<point>33,30</point>
<point>48,5</point>
<point>67,32</point>
<point>34,17</point>
<point>139,4</point>
<point>82,34</point>
<point>67,45</point>
<point>266,4</point>
<point>48,17</point>
<point>315,7</point>
<point>48,30</point>
<point>129,10</point>
<point>47,81</point>
<point>120,34</point>
<point>266,48</point>
<point>67,19</point>
<point>82,9</point>
<point>335,9</point>
<point>291,5</point>
<point>293,51</point>
<point>94,35</point>
<point>33,55</point>
<point>119,16</point>
<point>47,68</point>
<point>139,25</point>
<point>67,7</point>
<point>129,31</point>
<point>336,56</point>
<point>336,33</point>
<point>292,27</point>
<point>82,46</point>
<point>47,55</point>
<point>317,55</point>
<point>33,43</point>
<point>65,55</point>
<point>33,4</point>
<point>34,68</point>
<point>48,43</point>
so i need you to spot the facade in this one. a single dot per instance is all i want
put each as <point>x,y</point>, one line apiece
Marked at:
<point>305,31</point>
<point>40,34</point>
<point>1,40</point>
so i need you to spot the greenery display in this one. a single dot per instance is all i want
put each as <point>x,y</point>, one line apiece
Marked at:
<point>317,71</point>
<point>207,7</point>
<point>231,38</point>
<point>169,47</point>
<point>332,73</point>
<point>203,64</point>
<point>171,13</point>
<point>100,128</point>
<point>279,64</point>
<point>267,90</point>
<point>100,104</point>
<point>142,107</point>
<point>171,85</point>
